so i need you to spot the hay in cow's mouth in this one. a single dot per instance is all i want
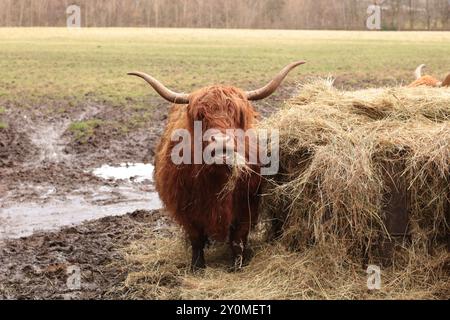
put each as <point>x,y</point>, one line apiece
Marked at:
<point>239,169</point>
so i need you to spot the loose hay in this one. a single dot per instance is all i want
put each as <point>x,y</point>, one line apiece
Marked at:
<point>321,272</point>
<point>337,150</point>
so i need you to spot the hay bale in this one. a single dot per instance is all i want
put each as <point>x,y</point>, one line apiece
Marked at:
<point>354,165</point>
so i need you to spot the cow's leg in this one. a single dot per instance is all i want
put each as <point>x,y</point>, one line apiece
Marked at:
<point>245,218</point>
<point>238,241</point>
<point>198,241</point>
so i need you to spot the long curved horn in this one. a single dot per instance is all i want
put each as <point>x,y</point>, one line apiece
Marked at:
<point>169,95</point>
<point>270,88</point>
<point>418,72</point>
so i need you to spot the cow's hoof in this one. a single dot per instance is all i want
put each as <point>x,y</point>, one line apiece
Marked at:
<point>199,268</point>
<point>237,264</point>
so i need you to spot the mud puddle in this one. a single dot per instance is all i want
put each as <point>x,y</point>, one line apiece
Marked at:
<point>128,187</point>
<point>138,172</point>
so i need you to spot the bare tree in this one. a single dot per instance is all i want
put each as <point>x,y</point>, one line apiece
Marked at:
<point>287,14</point>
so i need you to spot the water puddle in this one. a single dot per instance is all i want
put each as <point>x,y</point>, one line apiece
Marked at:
<point>137,172</point>
<point>50,212</point>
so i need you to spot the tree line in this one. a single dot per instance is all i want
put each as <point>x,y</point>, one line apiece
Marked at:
<point>273,14</point>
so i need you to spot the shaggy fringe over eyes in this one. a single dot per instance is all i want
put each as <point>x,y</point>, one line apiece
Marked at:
<point>221,108</point>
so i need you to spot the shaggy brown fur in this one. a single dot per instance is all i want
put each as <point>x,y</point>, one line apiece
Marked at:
<point>190,192</point>
<point>428,81</point>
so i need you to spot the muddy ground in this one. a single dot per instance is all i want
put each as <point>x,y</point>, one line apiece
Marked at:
<point>38,266</point>
<point>44,165</point>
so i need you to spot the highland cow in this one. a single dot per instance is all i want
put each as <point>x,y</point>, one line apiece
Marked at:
<point>193,194</point>
<point>428,81</point>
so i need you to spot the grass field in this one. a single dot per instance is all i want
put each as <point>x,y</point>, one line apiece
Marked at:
<point>59,70</point>
<point>69,65</point>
